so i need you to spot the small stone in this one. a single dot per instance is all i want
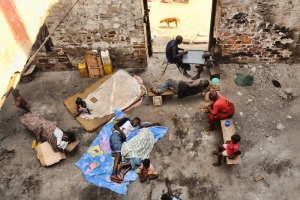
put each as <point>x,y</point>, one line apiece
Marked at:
<point>253,69</point>
<point>280,127</point>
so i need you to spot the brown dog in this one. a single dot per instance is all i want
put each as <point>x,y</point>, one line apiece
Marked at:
<point>169,20</point>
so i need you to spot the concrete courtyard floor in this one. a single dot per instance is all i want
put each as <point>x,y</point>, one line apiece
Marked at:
<point>184,154</point>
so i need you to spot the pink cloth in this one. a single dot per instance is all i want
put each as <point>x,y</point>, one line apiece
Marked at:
<point>136,104</point>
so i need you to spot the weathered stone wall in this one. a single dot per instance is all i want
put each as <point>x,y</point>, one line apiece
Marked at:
<point>114,25</point>
<point>259,30</point>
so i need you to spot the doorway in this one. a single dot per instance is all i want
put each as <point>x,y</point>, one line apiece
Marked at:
<point>195,23</point>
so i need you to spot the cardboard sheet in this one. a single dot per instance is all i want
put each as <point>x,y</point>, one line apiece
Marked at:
<point>47,156</point>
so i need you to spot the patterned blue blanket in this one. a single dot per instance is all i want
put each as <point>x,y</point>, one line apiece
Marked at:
<point>97,163</point>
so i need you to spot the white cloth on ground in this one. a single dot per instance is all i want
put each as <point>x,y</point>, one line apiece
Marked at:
<point>59,134</point>
<point>117,93</point>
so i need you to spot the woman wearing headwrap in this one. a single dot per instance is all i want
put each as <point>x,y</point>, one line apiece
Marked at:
<point>220,108</point>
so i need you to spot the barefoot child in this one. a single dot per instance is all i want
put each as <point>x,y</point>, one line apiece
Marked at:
<point>20,101</point>
<point>146,171</point>
<point>231,149</point>
<point>131,164</point>
<point>82,107</point>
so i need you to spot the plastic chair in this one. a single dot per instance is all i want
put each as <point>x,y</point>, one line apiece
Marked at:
<point>166,61</point>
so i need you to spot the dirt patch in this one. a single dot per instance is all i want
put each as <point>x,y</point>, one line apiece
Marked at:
<point>201,188</point>
<point>278,168</point>
<point>6,156</point>
<point>94,192</point>
<point>31,184</point>
<point>180,125</point>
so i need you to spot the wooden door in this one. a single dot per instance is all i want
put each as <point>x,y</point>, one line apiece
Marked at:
<point>147,23</point>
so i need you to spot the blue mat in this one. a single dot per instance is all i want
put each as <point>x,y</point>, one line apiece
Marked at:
<point>97,163</point>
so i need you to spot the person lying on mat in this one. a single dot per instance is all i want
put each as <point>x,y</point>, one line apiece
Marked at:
<point>182,88</point>
<point>46,130</point>
<point>82,107</point>
<point>120,132</point>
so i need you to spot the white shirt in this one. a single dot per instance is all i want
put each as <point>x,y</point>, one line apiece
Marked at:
<point>59,134</point>
<point>127,128</point>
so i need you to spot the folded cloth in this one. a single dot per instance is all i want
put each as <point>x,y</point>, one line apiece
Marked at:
<point>97,163</point>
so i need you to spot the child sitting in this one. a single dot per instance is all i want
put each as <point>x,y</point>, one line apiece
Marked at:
<point>82,107</point>
<point>146,171</point>
<point>231,149</point>
<point>20,101</point>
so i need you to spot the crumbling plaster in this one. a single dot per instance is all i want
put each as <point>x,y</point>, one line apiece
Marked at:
<point>259,31</point>
<point>19,28</point>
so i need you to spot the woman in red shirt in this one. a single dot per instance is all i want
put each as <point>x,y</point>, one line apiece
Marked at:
<point>220,108</point>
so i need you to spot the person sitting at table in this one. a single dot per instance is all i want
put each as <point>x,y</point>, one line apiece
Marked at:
<point>182,88</point>
<point>174,56</point>
<point>212,58</point>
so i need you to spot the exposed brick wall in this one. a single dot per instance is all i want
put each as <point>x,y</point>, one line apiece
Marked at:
<point>114,25</point>
<point>53,61</point>
<point>259,31</point>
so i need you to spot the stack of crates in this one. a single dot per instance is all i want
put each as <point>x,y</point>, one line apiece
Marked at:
<point>83,70</point>
<point>107,64</point>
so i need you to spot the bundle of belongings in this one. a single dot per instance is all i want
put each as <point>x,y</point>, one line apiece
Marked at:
<point>97,163</point>
<point>243,80</point>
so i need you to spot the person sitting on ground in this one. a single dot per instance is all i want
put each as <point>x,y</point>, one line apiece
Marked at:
<point>182,88</point>
<point>120,132</point>
<point>82,107</point>
<point>231,149</point>
<point>146,171</point>
<point>174,56</point>
<point>220,108</point>
<point>45,130</point>
<point>211,59</point>
<point>20,101</point>
<point>169,195</point>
